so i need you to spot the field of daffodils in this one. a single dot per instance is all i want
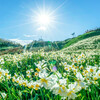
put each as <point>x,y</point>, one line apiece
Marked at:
<point>53,75</point>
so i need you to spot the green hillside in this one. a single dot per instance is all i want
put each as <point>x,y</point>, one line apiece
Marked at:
<point>46,45</point>
<point>86,44</point>
<point>83,36</point>
<point>7,43</point>
<point>7,46</point>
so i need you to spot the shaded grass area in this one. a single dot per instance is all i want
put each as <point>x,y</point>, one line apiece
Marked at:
<point>11,50</point>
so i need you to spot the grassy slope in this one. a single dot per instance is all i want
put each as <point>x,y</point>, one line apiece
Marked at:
<point>81,37</point>
<point>89,43</point>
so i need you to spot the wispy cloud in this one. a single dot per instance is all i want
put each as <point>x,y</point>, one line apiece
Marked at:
<point>28,36</point>
<point>42,28</point>
<point>22,42</point>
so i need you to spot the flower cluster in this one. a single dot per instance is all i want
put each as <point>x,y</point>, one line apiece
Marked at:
<point>62,74</point>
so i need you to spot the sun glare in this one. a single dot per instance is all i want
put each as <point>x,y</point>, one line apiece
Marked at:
<point>43,19</point>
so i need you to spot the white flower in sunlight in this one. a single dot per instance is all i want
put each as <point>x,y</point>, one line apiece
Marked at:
<point>3,95</point>
<point>64,74</point>
<point>79,76</point>
<point>28,75</point>
<point>6,72</point>
<point>1,71</point>
<point>80,82</point>
<point>37,85</point>
<point>53,78</point>
<point>59,89</point>
<point>71,94</point>
<point>31,70</point>
<point>1,61</point>
<point>71,91</point>
<point>30,84</point>
<point>58,74</point>
<point>91,69</point>
<point>63,82</point>
<point>43,74</point>
<point>28,71</point>
<point>98,73</point>
<point>15,75</point>
<point>8,76</point>
<point>44,79</point>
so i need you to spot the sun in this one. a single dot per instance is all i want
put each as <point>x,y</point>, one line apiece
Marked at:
<point>44,19</point>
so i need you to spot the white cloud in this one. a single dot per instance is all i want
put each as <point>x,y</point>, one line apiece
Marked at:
<point>28,36</point>
<point>42,28</point>
<point>22,42</point>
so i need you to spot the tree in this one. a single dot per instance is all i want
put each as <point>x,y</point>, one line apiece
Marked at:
<point>73,34</point>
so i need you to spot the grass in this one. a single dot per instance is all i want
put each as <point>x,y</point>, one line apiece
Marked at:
<point>5,48</point>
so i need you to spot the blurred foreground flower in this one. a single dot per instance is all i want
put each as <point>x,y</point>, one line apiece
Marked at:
<point>54,68</point>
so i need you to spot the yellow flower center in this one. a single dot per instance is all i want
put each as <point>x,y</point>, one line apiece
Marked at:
<point>82,73</point>
<point>13,80</point>
<point>63,87</point>
<point>32,86</point>
<point>9,77</point>
<point>73,65</point>
<point>69,67</point>
<point>37,85</point>
<point>6,74</point>
<point>77,66</point>
<point>66,68</point>
<point>59,91</point>
<point>86,71</point>
<point>82,67</point>
<point>95,78</point>
<point>36,74</point>
<point>15,75</point>
<point>91,70</point>
<point>38,69</point>
<point>70,93</point>
<point>24,83</point>
<point>28,76</point>
<point>74,70</point>
<point>28,72</point>
<point>44,80</point>
<point>17,81</point>
<point>87,78</point>
<point>36,88</point>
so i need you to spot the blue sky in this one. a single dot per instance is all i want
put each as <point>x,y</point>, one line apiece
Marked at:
<point>17,19</point>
